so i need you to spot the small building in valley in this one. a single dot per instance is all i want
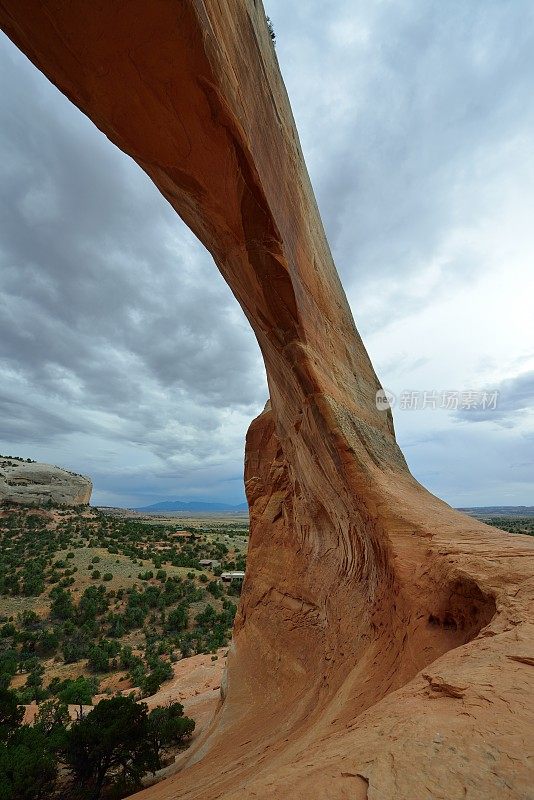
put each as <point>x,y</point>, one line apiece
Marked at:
<point>237,576</point>
<point>209,563</point>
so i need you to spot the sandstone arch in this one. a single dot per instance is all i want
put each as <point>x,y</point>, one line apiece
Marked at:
<point>384,644</point>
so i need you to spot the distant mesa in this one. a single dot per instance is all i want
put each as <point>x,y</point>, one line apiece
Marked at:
<point>194,506</point>
<point>27,482</point>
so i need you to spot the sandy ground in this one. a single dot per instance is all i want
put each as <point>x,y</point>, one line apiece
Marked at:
<point>195,685</point>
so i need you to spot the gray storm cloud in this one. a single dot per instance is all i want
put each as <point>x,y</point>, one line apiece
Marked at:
<point>122,351</point>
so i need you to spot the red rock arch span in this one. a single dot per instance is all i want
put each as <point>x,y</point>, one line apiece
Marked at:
<point>384,644</point>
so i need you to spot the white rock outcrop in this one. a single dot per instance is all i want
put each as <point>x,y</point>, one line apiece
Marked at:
<point>31,483</point>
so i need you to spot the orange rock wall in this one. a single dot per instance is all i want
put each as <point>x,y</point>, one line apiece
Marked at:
<point>384,644</point>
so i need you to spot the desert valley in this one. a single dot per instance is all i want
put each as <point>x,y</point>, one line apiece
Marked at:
<point>96,604</point>
<point>345,632</point>
<point>116,603</point>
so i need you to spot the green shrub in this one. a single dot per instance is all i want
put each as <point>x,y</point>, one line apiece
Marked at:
<point>177,619</point>
<point>62,606</point>
<point>162,672</point>
<point>113,740</point>
<point>28,768</point>
<point>77,692</point>
<point>169,727</point>
<point>98,660</point>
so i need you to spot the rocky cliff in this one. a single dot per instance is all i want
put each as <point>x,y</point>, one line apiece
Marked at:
<point>384,645</point>
<point>30,483</point>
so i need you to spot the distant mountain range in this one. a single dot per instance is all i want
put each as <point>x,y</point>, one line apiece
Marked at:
<point>193,505</point>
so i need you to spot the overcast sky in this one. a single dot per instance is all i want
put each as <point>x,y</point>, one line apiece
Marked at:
<point>123,354</point>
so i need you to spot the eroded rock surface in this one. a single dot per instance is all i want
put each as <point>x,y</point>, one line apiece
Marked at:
<point>384,642</point>
<point>34,484</point>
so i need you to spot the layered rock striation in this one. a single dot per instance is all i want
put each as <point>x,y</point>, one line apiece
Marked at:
<point>33,484</point>
<point>384,642</point>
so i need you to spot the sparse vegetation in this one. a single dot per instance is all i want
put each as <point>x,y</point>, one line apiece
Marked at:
<point>523,525</point>
<point>270,28</point>
<point>111,747</point>
<point>15,459</point>
<point>147,604</point>
<point>91,604</point>
<point>57,605</point>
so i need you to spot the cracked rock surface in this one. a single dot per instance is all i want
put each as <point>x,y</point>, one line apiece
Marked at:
<point>384,642</point>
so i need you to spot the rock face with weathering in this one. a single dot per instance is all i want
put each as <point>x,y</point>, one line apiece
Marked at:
<point>384,642</point>
<point>30,483</point>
